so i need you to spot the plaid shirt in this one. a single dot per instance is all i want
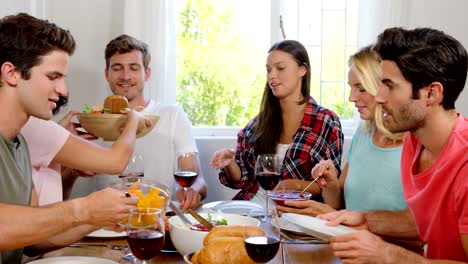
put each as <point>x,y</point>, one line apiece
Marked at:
<point>319,136</point>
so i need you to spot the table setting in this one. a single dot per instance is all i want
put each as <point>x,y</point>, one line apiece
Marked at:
<point>296,246</point>
<point>157,222</point>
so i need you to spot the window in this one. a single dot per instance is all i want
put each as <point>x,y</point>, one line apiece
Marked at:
<point>222,48</point>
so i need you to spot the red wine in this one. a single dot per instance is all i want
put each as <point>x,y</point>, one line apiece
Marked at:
<point>145,244</point>
<point>261,249</point>
<point>268,180</point>
<point>279,197</point>
<point>185,178</point>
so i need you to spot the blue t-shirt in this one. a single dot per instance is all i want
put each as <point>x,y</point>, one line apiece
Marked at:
<point>373,181</point>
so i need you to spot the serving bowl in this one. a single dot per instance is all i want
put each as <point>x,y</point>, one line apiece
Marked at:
<point>188,241</point>
<point>280,196</point>
<point>109,126</point>
<point>151,194</point>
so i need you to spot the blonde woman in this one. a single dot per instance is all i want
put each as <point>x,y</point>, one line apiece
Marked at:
<point>371,178</point>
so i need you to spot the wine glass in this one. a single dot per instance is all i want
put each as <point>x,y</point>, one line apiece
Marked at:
<point>145,233</point>
<point>135,167</point>
<point>262,249</point>
<point>186,169</point>
<point>267,174</point>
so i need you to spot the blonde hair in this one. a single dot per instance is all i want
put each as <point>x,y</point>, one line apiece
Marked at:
<point>366,63</point>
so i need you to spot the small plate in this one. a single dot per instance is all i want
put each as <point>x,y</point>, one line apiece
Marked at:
<point>284,224</point>
<point>316,227</point>
<point>73,260</point>
<point>232,207</point>
<point>101,233</point>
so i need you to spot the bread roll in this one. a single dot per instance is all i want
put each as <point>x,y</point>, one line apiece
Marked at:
<point>195,257</point>
<point>225,244</point>
<point>115,103</point>
<point>225,250</point>
<point>233,231</point>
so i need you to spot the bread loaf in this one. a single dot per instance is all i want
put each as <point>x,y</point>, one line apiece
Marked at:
<point>225,244</point>
<point>233,231</point>
<point>115,103</point>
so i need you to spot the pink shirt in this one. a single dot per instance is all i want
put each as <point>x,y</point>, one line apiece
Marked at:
<point>45,139</point>
<point>438,196</point>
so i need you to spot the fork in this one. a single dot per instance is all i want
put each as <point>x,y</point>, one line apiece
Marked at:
<point>111,246</point>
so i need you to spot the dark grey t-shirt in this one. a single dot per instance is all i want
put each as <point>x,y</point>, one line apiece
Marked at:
<point>15,182</point>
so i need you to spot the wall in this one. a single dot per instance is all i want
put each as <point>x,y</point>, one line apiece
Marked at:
<point>93,24</point>
<point>449,16</point>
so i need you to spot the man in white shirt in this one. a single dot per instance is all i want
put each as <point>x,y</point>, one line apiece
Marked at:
<point>127,69</point>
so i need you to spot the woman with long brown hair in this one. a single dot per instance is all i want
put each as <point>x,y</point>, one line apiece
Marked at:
<point>290,124</point>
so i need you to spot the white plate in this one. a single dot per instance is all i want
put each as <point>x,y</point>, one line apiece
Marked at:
<point>101,233</point>
<point>316,227</point>
<point>288,226</point>
<point>233,207</point>
<point>73,260</point>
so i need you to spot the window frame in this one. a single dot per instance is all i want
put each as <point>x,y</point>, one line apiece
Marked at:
<point>348,126</point>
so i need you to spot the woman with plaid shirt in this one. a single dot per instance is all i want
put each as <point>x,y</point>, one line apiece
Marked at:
<point>290,123</point>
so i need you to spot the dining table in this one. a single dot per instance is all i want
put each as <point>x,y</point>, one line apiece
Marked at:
<point>287,253</point>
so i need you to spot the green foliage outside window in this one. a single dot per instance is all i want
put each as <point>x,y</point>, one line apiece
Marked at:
<point>216,83</point>
<point>219,79</point>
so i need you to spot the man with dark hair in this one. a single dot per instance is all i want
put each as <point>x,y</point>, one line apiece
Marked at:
<point>423,73</point>
<point>127,69</point>
<point>34,58</point>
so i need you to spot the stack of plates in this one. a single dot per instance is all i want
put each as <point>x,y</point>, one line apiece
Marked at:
<point>316,227</point>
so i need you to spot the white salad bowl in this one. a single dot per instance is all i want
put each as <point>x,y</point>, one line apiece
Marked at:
<point>188,241</point>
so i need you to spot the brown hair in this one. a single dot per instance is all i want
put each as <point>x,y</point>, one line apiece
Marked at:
<point>269,125</point>
<point>24,39</point>
<point>124,44</point>
<point>424,56</point>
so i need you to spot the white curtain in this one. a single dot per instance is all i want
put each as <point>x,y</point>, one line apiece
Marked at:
<point>153,21</point>
<point>12,7</point>
<point>377,15</point>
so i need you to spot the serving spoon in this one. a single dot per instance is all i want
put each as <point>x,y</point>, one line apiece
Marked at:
<point>200,219</point>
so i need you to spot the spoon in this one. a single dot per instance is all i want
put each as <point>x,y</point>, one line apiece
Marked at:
<point>307,187</point>
<point>200,219</point>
